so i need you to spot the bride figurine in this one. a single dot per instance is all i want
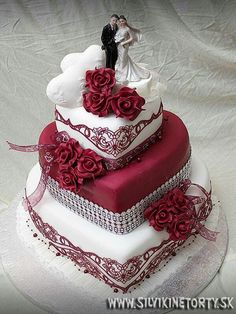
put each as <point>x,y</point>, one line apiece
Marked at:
<point>126,69</point>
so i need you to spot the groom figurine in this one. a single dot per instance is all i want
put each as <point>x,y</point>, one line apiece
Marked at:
<point>109,45</point>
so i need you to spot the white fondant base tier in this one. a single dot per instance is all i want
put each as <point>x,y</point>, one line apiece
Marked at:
<point>52,224</point>
<point>64,289</point>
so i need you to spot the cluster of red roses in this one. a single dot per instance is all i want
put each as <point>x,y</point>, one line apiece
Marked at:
<point>174,212</point>
<point>76,164</point>
<point>125,103</point>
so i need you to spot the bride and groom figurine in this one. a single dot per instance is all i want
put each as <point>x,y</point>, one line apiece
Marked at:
<point>116,38</point>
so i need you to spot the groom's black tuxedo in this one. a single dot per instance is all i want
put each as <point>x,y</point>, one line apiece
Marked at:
<point>109,45</point>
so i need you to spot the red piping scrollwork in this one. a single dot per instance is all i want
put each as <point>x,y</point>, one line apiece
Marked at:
<point>113,273</point>
<point>106,140</point>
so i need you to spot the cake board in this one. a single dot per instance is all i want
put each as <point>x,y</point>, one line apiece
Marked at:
<point>51,291</point>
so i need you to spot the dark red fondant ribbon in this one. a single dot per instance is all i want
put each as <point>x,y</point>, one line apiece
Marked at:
<point>205,232</point>
<point>205,208</point>
<point>58,138</point>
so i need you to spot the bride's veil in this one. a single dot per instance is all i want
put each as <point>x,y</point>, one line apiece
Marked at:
<point>136,34</point>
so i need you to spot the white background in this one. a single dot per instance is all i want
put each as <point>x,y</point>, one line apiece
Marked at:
<point>191,43</point>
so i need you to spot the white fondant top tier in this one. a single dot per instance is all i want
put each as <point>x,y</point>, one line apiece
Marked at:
<point>66,92</point>
<point>101,133</point>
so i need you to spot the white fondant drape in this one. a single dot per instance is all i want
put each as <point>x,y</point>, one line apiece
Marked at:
<point>191,43</point>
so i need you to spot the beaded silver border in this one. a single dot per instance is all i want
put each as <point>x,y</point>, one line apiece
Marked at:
<point>114,222</point>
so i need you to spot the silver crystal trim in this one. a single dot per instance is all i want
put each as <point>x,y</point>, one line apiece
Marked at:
<point>114,222</point>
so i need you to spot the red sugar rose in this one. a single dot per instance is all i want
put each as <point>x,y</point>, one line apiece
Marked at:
<point>96,103</point>
<point>180,227</point>
<point>173,212</point>
<point>68,179</point>
<point>160,215</point>
<point>68,152</point>
<point>126,103</point>
<point>178,200</point>
<point>100,80</point>
<point>90,165</point>
<point>76,164</point>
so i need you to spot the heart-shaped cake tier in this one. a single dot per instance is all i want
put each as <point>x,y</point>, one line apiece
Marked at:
<point>119,190</point>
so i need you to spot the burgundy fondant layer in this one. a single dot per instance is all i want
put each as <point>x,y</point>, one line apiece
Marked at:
<point>119,190</point>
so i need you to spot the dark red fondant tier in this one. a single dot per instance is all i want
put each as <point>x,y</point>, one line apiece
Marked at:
<point>119,190</point>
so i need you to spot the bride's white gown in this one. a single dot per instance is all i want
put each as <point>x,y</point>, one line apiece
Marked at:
<point>126,69</point>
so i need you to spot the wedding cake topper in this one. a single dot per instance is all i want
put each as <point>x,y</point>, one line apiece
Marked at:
<point>69,88</point>
<point>116,37</point>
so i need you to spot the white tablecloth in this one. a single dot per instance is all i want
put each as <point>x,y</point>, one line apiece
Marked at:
<point>191,43</point>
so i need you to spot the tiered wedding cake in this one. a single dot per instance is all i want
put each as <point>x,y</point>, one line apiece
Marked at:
<point>116,191</point>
